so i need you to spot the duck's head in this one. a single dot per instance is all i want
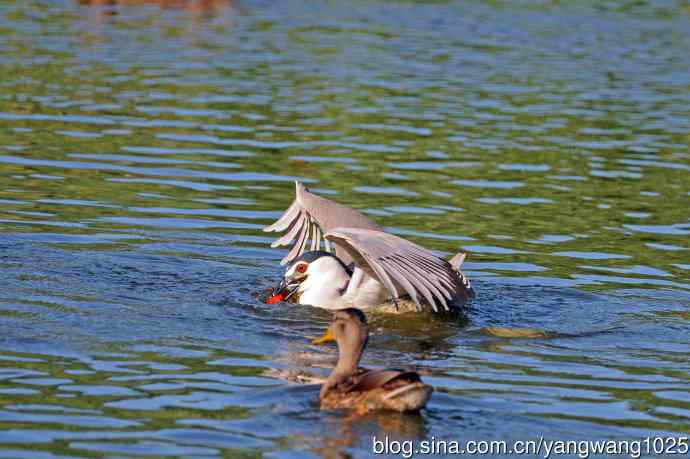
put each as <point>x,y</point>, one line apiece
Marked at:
<point>316,275</point>
<point>349,329</point>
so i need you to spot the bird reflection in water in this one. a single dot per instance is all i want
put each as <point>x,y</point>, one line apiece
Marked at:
<point>197,11</point>
<point>351,430</point>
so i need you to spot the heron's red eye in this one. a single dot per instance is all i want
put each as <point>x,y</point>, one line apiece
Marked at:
<point>301,268</point>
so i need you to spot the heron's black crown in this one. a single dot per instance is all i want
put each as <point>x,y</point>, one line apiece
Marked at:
<point>314,255</point>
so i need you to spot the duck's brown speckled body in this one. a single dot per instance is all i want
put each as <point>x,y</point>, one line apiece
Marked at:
<point>346,388</point>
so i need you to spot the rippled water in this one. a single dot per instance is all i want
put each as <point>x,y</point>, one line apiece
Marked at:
<point>142,149</point>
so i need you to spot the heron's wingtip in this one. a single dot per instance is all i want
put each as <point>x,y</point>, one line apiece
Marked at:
<point>300,190</point>
<point>457,260</point>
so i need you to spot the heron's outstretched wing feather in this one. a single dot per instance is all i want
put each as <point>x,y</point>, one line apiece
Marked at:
<point>311,216</point>
<point>402,266</point>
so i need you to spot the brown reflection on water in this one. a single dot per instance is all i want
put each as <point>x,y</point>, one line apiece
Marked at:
<point>351,429</point>
<point>196,10</point>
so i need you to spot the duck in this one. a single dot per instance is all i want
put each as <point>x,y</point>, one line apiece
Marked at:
<point>353,262</point>
<point>365,391</point>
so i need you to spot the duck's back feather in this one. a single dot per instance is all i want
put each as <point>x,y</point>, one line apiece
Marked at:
<point>395,390</point>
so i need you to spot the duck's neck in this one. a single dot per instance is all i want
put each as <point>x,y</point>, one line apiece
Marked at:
<point>348,361</point>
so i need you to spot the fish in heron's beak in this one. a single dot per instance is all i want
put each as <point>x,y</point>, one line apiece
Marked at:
<point>295,275</point>
<point>284,291</point>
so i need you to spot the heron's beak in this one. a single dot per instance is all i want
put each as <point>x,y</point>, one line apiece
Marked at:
<point>326,338</point>
<point>283,291</point>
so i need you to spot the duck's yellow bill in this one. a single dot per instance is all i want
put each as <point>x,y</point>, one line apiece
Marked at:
<point>327,337</point>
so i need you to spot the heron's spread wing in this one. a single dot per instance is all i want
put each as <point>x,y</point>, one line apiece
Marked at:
<point>308,218</point>
<point>402,266</point>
